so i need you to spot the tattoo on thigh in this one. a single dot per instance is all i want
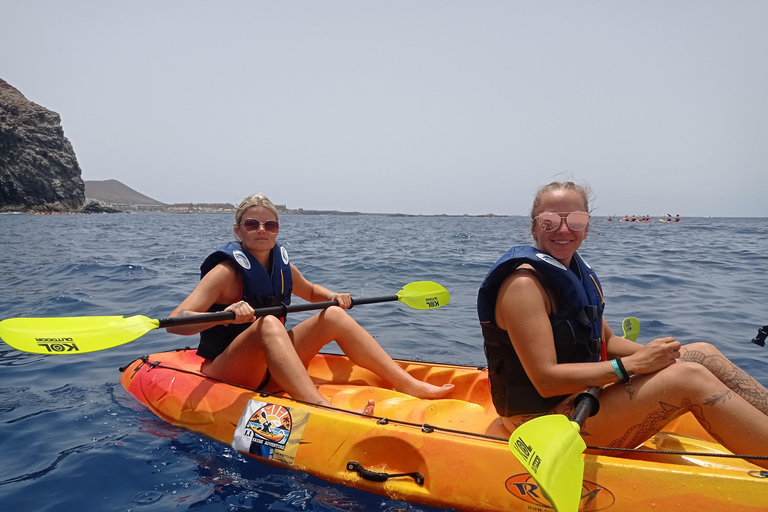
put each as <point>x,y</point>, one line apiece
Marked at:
<point>718,398</point>
<point>732,376</point>
<point>652,423</point>
<point>518,420</point>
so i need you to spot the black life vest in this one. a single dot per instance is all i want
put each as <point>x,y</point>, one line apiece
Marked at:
<point>576,326</point>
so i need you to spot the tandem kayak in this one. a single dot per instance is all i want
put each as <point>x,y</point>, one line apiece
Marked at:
<point>449,453</point>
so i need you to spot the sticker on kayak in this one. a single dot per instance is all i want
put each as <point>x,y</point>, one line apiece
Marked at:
<point>270,431</point>
<point>524,487</point>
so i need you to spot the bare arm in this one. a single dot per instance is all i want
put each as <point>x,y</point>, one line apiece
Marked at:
<point>640,359</point>
<point>523,310</point>
<point>221,285</point>
<point>312,292</point>
<point>616,345</point>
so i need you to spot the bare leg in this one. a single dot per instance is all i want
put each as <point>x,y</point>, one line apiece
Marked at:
<point>729,374</point>
<point>660,397</point>
<point>334,324</point>
<point>267,344</point>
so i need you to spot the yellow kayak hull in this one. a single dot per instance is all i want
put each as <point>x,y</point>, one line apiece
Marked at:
<point>449,453</point>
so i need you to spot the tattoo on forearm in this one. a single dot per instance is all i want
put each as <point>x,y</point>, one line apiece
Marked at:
<point>732,376</point>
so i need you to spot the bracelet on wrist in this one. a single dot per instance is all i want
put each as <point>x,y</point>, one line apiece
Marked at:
<point>618,368</point>
<point>331,297</point>
<point>624,371</point>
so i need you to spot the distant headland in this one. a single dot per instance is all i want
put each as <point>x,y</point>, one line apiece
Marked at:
<point>117,196</point>
<point>39,172</point>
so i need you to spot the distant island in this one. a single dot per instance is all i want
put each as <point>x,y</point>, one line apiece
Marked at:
<point>112,194</point>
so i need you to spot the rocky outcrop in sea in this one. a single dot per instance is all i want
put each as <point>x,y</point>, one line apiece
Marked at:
<point>38,166</point>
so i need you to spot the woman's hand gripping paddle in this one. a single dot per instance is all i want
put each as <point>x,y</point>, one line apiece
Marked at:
<point>550,447</point>
<point>77,335</point>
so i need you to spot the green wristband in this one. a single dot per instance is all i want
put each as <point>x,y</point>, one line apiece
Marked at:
<point>618,371</point>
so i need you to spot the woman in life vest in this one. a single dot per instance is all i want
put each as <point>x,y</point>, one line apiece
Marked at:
<point>545,339</point>
<point>259,352</point>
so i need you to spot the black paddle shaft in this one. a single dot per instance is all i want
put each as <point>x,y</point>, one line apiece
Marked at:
<point>280,310</point>
<point>587,405</point>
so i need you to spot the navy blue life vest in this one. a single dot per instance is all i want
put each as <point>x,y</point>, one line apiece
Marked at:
<point>261,288</point>
<point>576,326</point>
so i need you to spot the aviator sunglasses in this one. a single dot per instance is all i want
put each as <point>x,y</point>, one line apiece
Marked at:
<point>270,226</point>
<point>549,221</point>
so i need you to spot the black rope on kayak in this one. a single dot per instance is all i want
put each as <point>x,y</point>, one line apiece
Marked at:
<point>674,452</point>
<point>424,427</point>
<point>380,419</point>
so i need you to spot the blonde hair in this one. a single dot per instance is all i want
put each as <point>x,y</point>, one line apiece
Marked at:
<point>254,200</point>
<point>583,190</point>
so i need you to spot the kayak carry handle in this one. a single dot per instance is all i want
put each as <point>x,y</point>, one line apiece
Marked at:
<point>378,476</point>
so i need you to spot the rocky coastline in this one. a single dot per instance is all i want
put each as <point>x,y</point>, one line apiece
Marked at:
<point>38,167</point>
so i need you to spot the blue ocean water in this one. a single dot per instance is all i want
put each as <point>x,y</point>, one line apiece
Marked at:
<point>72,438</point>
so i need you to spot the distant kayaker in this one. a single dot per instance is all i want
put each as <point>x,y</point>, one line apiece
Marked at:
<point>677,218</point>
<point>541,313</point>
<point>258,352</point>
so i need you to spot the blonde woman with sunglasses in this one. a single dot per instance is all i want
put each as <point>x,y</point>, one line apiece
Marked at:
<point>541,312</point>
<point>259,352</point>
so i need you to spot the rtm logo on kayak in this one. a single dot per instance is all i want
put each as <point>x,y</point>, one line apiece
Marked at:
<point>524,487</point>
<point>433,302</point>
<point>57,344</point>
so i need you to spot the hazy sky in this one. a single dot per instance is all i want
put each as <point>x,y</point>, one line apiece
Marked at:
<point>408,106</point>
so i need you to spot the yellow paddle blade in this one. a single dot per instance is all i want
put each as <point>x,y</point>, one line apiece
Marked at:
<point>73,335</point>
<point>423,295</point>
<point>550,448</point>
<point>631,327</point>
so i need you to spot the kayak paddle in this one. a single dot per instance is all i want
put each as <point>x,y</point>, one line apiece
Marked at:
<point>77,335</point>
<point>550,447</point>
<point>631,327</point>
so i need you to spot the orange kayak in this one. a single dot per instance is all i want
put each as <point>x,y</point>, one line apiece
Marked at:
<point>449,453</point>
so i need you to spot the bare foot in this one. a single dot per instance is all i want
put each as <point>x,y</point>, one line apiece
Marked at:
<point>368,409</point>
<point>421,389</point>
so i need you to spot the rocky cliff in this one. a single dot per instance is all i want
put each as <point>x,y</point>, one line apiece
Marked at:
<point>38,167</point>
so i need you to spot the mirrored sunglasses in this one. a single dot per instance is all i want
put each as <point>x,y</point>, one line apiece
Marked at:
<point>270,226</point>
<point>549,221</point>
